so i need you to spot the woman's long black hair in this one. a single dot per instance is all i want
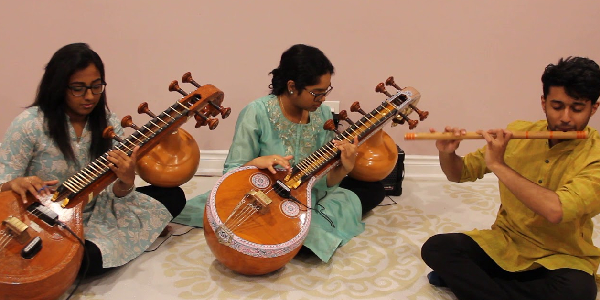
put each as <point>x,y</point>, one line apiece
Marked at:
<point>51,99</point>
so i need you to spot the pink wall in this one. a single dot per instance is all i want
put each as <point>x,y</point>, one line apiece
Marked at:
<point>477,64</point>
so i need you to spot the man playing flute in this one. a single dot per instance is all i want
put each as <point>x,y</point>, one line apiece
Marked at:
<point>540,245</point>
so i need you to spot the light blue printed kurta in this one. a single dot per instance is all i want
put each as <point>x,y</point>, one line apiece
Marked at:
<point>261,130</point>
<point>122,228</point>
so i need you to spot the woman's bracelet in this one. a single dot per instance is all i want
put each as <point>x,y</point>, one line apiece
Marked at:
<point>129,189</point>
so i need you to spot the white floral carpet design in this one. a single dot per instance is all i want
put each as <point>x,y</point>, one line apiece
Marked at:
<point>382,263</point>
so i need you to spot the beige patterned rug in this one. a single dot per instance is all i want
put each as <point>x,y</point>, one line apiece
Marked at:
<point>382,263</point>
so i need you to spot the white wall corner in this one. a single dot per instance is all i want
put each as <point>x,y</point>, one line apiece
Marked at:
<point>335,106</point>
<point>420,167</point>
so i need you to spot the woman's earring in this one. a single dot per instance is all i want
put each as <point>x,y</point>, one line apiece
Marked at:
<point>291,92</point>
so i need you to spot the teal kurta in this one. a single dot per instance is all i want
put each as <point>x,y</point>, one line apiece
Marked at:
<point>261,130</point>
<point>122,228</point>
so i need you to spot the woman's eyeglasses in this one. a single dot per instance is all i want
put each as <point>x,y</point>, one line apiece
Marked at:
<point>319,96</point>
<point>80,90</point>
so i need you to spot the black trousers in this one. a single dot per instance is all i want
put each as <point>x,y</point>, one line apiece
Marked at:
<point>471,274</point>
<point>172,198</point>
<point>369,193</point>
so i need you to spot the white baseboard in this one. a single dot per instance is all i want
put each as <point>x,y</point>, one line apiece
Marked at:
<point>211,162</point>
<point>420,167</point>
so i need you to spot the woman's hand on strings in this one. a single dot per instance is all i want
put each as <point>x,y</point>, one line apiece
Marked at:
<point>32,184</point>
<point>270,161</point>
<point>348,153</point>
<point>123,165</point>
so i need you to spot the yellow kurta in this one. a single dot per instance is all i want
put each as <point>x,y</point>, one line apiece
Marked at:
<point>521,240</point>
